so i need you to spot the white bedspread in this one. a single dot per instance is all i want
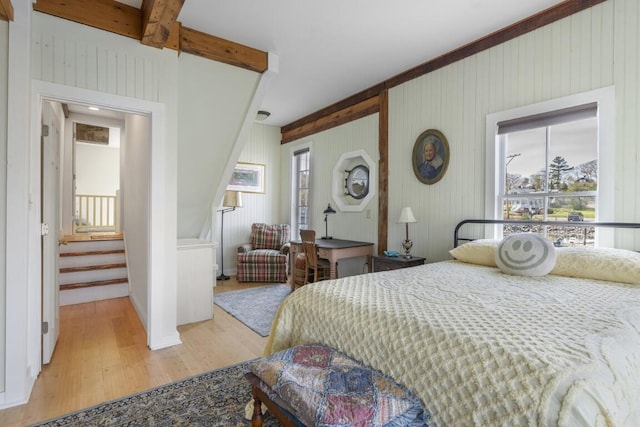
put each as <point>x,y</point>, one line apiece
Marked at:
<point>480,347</point>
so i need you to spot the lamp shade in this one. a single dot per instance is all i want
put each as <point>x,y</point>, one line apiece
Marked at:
<point>329,210</point>
<point>406,215</point>
<point>232,199</point>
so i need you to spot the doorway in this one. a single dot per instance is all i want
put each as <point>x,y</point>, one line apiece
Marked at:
<point>155,287</point>
<point>95,160</point>
<point>95,176</point>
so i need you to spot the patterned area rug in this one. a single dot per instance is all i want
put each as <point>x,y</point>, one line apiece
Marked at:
<point>255,307</point>
<point>215,398</point>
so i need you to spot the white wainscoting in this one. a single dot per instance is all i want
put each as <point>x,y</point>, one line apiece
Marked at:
<point>196,279</point>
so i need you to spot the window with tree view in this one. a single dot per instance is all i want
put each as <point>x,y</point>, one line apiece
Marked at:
<point>300,191</point>
<point>550,166</point>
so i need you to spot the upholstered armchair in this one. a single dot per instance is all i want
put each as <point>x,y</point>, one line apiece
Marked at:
<point>265,257</point>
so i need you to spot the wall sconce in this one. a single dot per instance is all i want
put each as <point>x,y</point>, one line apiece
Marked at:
<point>326,213</point>
<point>406,216</point>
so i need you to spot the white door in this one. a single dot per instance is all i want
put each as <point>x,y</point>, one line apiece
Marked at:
<point>51,142</point>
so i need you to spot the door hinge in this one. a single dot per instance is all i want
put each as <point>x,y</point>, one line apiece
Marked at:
<point>45,130</point>
<point>45,328</point>
<point>44,229</point>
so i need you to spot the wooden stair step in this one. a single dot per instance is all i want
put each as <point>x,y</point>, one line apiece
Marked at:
<point>92,267</point>
<point>107,237</point>
<point>91,284</point>
<point>115,251</point>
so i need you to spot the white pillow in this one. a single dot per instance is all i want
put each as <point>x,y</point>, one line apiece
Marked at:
<point>525,254</point>
<point>614,265</point>
<point>481,252</point>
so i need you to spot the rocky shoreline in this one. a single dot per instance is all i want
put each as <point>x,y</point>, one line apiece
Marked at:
<point>568,235</point>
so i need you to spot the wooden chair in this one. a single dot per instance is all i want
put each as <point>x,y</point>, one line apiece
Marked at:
<point>308,236</point>
<point>299,271</point>
<point>316,268</point>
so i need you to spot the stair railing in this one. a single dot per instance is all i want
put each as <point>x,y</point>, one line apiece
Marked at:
<point>95,212</point>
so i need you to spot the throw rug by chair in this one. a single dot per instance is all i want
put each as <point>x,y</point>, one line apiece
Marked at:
<point>255,307</point>
<point>215,398</point>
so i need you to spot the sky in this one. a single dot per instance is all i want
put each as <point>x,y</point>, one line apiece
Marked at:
<point>577,142</point>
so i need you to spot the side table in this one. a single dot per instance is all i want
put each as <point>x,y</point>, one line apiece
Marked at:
<point>385,263</point>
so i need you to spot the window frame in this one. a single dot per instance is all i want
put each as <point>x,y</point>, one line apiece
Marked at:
<point>605,100</point>
<point>295,226</point>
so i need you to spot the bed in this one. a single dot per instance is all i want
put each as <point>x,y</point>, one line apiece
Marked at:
<point>481,347</point>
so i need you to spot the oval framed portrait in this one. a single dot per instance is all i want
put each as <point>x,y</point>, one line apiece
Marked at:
<point>430,156</point>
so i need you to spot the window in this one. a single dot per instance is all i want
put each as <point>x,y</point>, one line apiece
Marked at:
<point>548,163</point>
<point>300,191</point>
<point>550,167</point>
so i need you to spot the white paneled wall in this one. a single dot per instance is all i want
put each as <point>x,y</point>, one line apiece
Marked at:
<point>80,56</point>
<point>263,147</point>
<point>593,49</point>
<point>625,45</point>
<point>4,42</point>
<point>326,149</point>
<point>210,114</point>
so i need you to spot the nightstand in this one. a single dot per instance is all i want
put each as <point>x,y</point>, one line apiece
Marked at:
<point>385,263</point>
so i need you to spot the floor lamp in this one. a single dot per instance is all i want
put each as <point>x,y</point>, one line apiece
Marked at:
<point>231,201</point>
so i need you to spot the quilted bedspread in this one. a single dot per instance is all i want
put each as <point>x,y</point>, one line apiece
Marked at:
<point>480,347</point>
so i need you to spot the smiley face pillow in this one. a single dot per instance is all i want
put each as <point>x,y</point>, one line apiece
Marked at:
<point>525,254</point>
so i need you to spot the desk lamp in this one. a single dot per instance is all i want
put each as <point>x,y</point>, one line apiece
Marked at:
<point>231,201</point>
<point>406,216</point>
<point>326,213</point>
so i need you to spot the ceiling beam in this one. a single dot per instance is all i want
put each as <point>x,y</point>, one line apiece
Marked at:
<point>106,15</point>
<point>336,118</point>
<point>211,47</point>
<point>160,29</point>
<point>6,10</point>
<point>547,16</point>
<point>158,19</point>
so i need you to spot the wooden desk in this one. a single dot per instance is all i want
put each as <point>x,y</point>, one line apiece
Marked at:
<point>336,249</point>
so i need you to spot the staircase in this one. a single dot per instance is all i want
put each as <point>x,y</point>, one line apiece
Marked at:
<point>93,270</point>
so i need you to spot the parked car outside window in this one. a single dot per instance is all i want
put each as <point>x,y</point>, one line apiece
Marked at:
<point>575,216</point>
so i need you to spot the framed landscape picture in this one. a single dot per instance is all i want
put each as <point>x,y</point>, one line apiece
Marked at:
<point>247,178</point>
<point>92,134</point>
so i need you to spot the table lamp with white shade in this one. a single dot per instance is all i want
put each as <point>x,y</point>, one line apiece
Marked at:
<point>406,216</point>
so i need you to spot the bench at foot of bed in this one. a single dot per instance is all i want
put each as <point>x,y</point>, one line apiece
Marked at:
<point>313,384</point>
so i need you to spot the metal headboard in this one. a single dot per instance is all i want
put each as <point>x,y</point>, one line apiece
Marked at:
<point>457,239</point>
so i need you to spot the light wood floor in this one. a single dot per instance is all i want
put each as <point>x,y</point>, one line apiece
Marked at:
<point>102,354</point>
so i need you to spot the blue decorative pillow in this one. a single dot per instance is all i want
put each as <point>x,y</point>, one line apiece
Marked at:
<point>525,254</point>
